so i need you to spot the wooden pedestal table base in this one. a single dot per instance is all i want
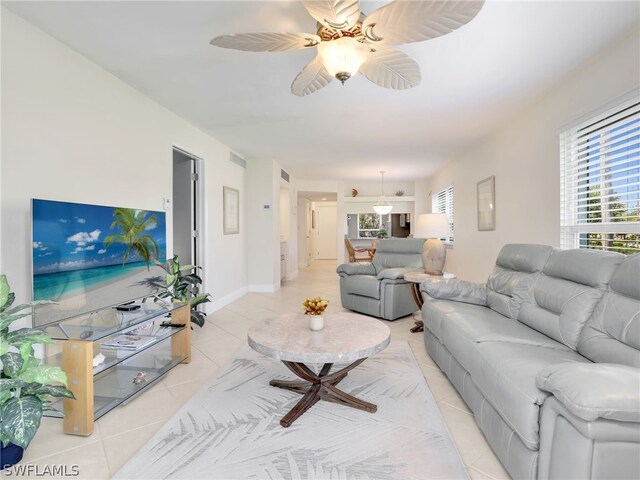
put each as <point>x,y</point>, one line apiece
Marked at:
<point>346,337</point>
<point>416,278</point>
<point>321,386</point>
<point>417,297</point>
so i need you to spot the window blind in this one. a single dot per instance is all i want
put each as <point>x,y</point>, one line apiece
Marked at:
<point>442,202</point>
<point>600,182</point>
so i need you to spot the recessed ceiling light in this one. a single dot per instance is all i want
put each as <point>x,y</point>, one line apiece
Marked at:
<point>323,199</point>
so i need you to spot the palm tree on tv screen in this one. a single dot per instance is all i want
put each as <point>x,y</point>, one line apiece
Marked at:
<point>133,225</point>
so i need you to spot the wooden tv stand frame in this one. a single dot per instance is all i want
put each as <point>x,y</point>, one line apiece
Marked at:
<point>77,362</point>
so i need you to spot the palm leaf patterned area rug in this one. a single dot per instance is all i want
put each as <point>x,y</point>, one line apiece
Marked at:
<point>230,429</point>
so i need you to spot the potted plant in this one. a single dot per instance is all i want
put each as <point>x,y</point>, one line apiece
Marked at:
<point>182,285</point>
<point>314,308</point>
<point>382,233</point>
<point>25,383</point>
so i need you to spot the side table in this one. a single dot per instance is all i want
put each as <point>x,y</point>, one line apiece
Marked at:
<point>416,278</point>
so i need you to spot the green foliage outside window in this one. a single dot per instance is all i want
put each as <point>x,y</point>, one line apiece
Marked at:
<point>369,225</point>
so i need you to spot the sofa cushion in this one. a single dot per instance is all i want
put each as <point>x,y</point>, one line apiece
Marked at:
<point>612,334</point>
<point>565,295</point>
<point>506,372</point>
<point>580,265</point>
<point>515,268</point>
<point>593,391</point>
<point>398,252</point>
<point>396,273</point>
<point>365,285</point>
<point>434,313</point>
<point>464,327</point>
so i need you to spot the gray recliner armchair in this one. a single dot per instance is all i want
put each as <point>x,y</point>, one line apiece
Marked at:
<point>378,288</point>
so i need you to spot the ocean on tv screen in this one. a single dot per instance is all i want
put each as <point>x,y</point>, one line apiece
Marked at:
<point>88,256</point>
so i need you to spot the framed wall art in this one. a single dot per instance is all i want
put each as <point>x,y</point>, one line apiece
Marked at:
<point>487,204</point>
<point>231,211</point>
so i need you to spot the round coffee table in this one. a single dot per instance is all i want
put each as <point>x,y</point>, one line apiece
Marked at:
<point>416,278</point>
<point>346,337</point>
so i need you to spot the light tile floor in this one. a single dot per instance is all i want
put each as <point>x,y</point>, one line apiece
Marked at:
<point>122,432</point>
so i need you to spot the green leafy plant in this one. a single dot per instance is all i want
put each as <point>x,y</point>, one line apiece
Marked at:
<point>182,285</point>
<point>133,225</point>
<point>26,385</point>
<point>382,233</point>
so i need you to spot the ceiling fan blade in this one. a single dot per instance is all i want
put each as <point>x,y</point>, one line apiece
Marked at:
<point>413,21</point>
<point>338,14</point>
<point>266,42</point>
<point>391,68</point>
<point>312,78</point>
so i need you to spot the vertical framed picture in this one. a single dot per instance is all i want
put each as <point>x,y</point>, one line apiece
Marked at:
<point>231,211</point>
<point>487,204</point>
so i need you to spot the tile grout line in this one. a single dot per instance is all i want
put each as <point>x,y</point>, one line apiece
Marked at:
<point>482,472</point>
<point>457,408</point>
<point>34,460</point>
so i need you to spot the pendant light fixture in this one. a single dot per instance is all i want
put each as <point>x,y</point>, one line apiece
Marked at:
<point>383,207</point>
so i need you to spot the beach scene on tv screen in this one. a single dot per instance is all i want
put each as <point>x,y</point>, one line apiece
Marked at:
<point>87,257</point>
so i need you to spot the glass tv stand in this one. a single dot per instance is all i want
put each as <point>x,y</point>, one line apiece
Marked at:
<point>124,372</point>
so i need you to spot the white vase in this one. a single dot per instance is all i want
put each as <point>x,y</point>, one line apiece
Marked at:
<point>316,322</point>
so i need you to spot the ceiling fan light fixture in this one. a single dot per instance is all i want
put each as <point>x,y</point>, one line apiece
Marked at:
<point>342,57</point>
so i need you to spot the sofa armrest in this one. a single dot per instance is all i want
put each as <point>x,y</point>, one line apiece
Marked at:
<point>395,273</point>
<point>456,290</point>
<point>356,268</point>
<point>594,390</point>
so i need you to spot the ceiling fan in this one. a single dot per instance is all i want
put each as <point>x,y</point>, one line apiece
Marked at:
<point>349,42</point>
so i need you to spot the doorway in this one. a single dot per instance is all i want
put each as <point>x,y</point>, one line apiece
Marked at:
<point>327,231</point>
<point>186,207</point>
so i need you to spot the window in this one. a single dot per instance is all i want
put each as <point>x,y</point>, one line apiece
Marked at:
<point>369,225</point>
<point>442,202</point>
<point>600,182</point>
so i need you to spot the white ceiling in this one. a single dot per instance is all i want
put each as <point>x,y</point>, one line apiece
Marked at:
<point>319,196</point>
<point>472,79</point>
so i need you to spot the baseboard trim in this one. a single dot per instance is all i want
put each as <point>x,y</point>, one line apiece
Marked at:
<point>226,300</point>
<point>263,288</point>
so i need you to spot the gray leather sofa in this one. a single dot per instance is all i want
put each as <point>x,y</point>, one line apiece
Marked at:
<point>547,357</point>
<point>378,288</point>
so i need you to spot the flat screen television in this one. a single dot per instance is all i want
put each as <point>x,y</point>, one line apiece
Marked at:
<point>88,257</point>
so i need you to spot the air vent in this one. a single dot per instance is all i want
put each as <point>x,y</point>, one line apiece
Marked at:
<point>284,175</point>
<point>238,160</point>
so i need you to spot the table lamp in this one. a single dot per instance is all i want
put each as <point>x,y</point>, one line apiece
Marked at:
<point>433,226</point>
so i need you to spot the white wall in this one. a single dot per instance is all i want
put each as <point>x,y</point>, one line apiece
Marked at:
<point>263,253</point>
<point>285,214</point>
<point>289,228</point>
<point>372,188</point>
<point>524,157</point>
<point>304,230</point>
<point>292,243</point>
<point>74,132</point>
